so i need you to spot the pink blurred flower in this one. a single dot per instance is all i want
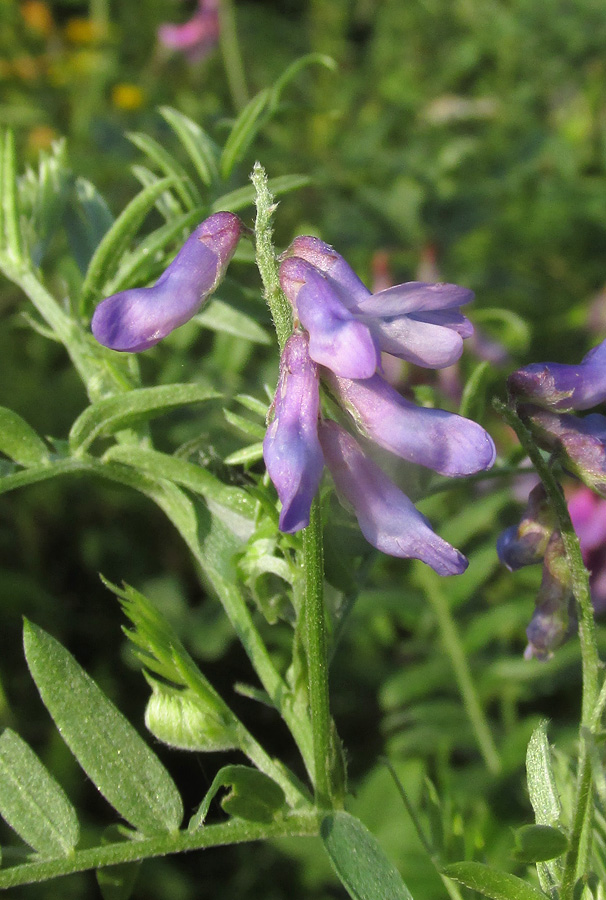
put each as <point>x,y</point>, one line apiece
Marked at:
<point>588,514</point>
<point>197,37</point>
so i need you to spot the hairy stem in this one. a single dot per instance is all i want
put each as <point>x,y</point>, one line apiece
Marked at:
<point>317,661</point>
<point>236,831</point>
<point>266,257</point>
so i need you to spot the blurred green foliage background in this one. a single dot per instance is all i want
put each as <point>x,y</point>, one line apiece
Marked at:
<point>461,138</point>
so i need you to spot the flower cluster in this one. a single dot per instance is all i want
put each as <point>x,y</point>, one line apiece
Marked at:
<point>546,394</point>
<point>341,328</point>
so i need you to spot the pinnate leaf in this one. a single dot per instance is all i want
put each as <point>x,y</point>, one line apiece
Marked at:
<point>105,744</point>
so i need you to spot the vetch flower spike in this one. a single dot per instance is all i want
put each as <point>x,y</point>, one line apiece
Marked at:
<point>388,519</point>
<point>291,448</point>
<point>418,322</point>
<point>440,440</point>
<point>336,339</point>
<point>136,319</point>
<point>563,387</point>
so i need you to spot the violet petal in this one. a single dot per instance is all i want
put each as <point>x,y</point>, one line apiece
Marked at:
<point>291,448</point>
<point>388,519</point>
<point>138,318</point>
<point>439,440</point>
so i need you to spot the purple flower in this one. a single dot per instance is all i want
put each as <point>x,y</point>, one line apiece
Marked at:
<point>197,37</point>
<point>563,387</point>
<point>418,322</point>
<point>387,518</point>
<point>336,339</point>
<point>291,448</point>
<point>443,441</point>
<point>580,443</point>
<point>138,318</point>
<point>525,544</point>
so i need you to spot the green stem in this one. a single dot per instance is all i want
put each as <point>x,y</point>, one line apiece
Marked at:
<point>232,58</point>
<point>266,258</point>
<point>317,661</point>
<point>458,659</point>
<point>235,831</point>
<point>575,863</point>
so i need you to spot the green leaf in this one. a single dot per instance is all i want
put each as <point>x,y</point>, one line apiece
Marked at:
<point>200,148</point>
<point>11,239</point>
<point>105,744</point>
<point>244,131</point>
<point>244,425</point>
<point>251,454</point>
<point>245,196</point>
<point>253,796</point>
<point>359,861</point>
<point>233,506</point>
<point>32,802</point>
<point>490,883</point>
<point>106,257</point>
<point>113,413</point>
<point>220,316</point>
<point>141,261</point>
<point>538,843</point>
<point>297,66</point>
<point>182,719</point>
<point>19,441</point>
<point>166,204</point>
<point>184,186</point>
<point>541,780</point>
<point>473,401</point>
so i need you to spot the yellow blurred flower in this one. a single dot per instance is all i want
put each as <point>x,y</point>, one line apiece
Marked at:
<point>85,31</point>
<point>127,96</point>
<point>40,138</point>
<point>37,16</point>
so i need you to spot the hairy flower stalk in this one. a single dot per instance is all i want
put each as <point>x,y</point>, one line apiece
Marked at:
<point>136,319</point>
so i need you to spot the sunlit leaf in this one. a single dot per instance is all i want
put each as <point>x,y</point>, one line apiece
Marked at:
<point>169,166</point>
<point>243,131</point>
<point>113,413</point>
<point>199,146</point>
<point>220,316</point>
<point>105,744</point>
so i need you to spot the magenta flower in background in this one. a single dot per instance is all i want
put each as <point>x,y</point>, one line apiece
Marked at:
<point>136,319</point>
<point>588,514</point>
<point>291,448</point>
<point>562,387</point>
<point>388,519</point>
<point>197,37</point>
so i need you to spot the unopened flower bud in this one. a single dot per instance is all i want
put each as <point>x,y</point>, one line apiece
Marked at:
<point>525,544</point>
<point>563,387</point>
<point>550,624</point>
